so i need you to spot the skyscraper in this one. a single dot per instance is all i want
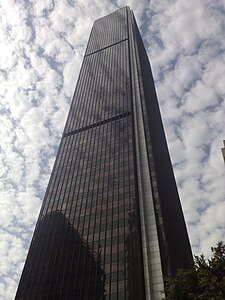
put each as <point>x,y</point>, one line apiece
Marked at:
<point>111,224</point>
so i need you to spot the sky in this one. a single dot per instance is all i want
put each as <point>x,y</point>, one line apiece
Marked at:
<point>42,45</point>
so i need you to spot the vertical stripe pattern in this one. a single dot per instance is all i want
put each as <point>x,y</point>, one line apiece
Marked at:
<point>86,244</point>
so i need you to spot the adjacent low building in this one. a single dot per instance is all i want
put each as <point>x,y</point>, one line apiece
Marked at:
<point>223,151</point>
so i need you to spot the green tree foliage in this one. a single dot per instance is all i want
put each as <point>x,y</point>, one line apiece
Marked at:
<point>205,281</point>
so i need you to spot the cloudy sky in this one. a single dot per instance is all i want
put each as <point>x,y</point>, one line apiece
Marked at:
<point>42,44</point>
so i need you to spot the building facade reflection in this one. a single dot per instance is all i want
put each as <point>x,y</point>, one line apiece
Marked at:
<point>58,262</point>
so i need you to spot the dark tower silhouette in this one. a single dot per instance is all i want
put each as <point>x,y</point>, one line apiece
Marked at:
<point>111,224</point>
<point>55,266</point>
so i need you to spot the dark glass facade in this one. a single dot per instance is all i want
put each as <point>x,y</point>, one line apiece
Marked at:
<point>91,240</point>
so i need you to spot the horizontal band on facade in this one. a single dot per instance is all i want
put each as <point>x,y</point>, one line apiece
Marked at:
<point>106,47</point>
<point>117,117</point>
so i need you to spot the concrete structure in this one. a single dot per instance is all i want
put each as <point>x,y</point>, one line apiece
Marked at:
<point>223,151</point>
<point>111,224</point>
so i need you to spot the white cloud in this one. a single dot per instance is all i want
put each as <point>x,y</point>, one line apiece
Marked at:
<point>200,97</point>
<point>186,44</point>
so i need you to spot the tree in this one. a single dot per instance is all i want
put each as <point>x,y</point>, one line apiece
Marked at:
<point>205,281</point>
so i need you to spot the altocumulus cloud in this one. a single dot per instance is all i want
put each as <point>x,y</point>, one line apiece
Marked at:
<point>42,44</point>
